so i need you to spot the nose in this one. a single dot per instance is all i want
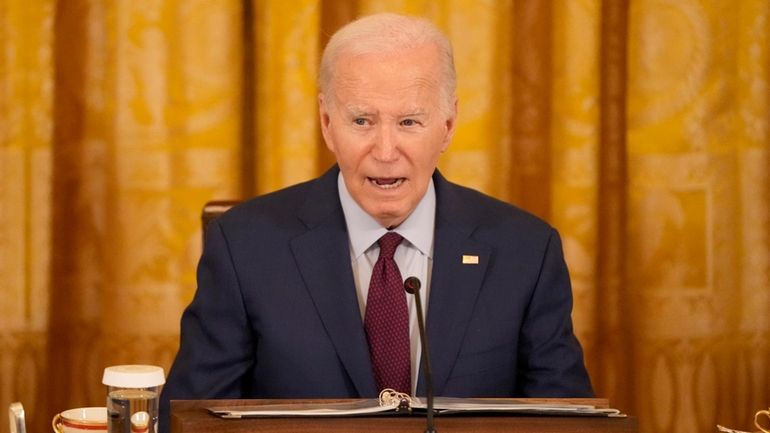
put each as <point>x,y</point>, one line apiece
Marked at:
<point>385,148</point>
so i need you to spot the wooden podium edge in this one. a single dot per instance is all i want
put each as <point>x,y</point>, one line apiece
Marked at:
<point>191,416</point>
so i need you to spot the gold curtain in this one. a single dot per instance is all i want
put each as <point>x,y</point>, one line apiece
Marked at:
<point>640,129</point>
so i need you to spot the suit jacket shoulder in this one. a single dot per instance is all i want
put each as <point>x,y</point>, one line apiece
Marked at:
<point>490,220</point>
<point>284,207</point>
<point>273,218</point>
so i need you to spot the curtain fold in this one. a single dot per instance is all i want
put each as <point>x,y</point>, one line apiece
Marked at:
<point>697,155</point>
<point>640,130</point>
<point>26,100</point>
<point>615,344</point>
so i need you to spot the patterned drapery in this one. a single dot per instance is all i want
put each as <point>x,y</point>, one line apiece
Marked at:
<point>639,129</point>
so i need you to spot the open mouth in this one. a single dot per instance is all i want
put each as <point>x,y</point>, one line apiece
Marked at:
<point>386,182</point>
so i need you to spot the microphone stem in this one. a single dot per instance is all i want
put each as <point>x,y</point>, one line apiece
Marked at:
<point>426,363</point>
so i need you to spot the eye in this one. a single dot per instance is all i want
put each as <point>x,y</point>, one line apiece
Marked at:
<point>360,121</point>
<point>408,122</point>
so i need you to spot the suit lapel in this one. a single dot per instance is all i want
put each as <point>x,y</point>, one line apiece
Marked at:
<point>454,284</point>
<point>329,279</point>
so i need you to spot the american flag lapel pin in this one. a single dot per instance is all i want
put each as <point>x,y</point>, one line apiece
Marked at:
<point>470,260</point>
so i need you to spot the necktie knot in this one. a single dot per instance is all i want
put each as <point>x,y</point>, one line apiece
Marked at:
<point>388,244</point>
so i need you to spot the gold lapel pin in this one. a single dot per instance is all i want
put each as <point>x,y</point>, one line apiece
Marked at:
<point>470,260</point>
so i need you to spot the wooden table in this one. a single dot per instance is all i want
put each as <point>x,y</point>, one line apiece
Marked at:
<point>191,416</point>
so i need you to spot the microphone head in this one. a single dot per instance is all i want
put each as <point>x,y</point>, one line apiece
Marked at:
<point>412,285</point>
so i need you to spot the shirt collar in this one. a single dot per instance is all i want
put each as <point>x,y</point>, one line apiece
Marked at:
<point>364,230</point>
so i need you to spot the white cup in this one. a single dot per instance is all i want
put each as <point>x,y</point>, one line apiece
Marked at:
<point>81,420</point>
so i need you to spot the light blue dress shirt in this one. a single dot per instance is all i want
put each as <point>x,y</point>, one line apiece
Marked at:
<point>414,256</point>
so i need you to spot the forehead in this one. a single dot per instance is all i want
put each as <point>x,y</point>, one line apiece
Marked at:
<point>409,75</point>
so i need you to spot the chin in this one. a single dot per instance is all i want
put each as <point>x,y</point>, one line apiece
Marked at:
<point>396,211</point>
<point>391,220</point>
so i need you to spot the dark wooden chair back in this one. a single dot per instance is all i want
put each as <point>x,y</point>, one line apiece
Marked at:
<point>213,209</point>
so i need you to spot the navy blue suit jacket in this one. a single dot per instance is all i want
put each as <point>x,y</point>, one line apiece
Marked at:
<point>276,313</point>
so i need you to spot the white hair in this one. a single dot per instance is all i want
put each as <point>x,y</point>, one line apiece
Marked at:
<point>387,32</point>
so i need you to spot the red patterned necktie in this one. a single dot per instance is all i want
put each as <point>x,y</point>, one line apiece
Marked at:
<point>387,321</point>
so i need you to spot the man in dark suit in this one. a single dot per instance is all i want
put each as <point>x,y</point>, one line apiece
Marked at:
<point>289,282</point>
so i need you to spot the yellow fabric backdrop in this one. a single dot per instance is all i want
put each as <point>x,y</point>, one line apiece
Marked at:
<point>639,129</point>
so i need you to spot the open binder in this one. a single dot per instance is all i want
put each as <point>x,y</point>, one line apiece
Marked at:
<point>392,402</point>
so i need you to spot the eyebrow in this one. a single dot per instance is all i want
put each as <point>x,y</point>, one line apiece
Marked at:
<point>361,111</point>
<point>357,111</point>
<point>414,114</point>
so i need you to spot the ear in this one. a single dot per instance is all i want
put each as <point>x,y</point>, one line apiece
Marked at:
<point>325,120</point>
<point>451,124</point>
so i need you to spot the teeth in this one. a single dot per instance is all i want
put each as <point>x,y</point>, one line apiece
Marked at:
<point>395,184</point>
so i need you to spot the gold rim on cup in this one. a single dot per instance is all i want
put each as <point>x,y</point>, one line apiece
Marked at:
<point>756,420</point>
<point>59,421</point>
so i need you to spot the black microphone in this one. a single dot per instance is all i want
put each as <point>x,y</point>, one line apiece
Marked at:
<point>412,285</point>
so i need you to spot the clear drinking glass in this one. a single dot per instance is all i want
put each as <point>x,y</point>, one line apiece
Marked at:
<point>133,393</point>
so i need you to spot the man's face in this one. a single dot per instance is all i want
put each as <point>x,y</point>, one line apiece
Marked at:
<point>384,122</point>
